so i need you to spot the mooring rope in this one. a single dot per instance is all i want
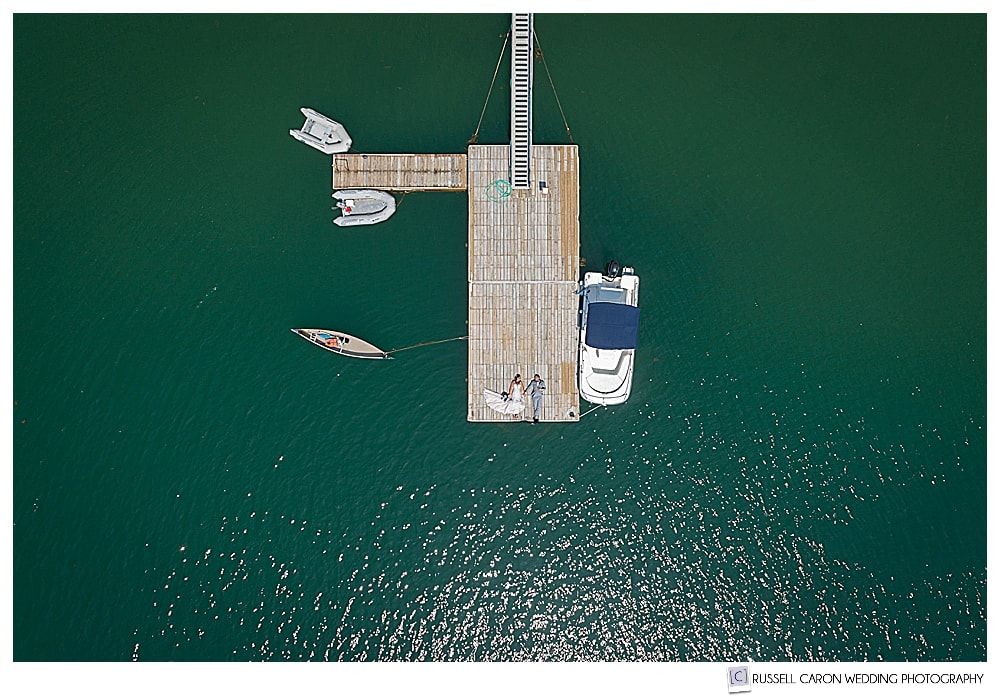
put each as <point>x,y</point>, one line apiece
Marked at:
<point>427,343</point>
<point>541,54</point>
<point>590,410</point>
<point>475,136</point>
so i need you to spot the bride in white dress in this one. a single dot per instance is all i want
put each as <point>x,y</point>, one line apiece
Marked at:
<point>515,393</point>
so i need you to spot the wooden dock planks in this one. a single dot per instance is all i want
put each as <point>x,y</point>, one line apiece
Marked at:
<point>524,260</point>
<point>400,172</point>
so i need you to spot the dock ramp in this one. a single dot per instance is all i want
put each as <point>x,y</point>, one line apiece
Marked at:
<point>521,77</point>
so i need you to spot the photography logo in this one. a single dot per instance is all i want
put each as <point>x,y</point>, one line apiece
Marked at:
<point>739,679</point>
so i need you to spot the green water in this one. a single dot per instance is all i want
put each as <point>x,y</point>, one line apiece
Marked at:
<point>800,471</point>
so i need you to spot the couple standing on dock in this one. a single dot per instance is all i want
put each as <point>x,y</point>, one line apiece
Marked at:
<point>536,388</point>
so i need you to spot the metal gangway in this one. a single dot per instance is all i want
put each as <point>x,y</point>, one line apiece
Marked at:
<point>521,76</point>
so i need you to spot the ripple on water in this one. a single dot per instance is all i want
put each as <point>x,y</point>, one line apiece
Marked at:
<point>708,544</point>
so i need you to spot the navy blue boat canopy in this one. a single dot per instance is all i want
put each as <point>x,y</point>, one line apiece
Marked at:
<point>612,326</point>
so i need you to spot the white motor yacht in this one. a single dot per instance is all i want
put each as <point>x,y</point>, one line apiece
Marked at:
<point>609,334</point>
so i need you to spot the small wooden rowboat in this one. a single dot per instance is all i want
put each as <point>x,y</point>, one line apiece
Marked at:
<point>341,343</point>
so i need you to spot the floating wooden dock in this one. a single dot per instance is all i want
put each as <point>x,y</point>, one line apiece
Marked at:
<point>524,265</point>
<point>399,172</point>
<point>524,246</point>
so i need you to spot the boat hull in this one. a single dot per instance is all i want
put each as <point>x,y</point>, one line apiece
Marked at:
<point>363,206</point>
<point>605,370</point>
<point>607,387</point>
<point>344,344</point>
<point>322,132</point>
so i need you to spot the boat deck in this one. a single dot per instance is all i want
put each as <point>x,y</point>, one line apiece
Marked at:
<point>524,262</point>
<point>399,172</point>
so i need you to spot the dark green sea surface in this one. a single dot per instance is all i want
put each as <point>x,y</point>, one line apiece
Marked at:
<point>800,472</point>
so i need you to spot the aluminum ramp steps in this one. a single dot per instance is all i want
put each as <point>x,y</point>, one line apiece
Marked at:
<point>521,78</point>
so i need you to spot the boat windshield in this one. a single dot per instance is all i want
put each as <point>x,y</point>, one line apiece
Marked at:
<point>610,294</point>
